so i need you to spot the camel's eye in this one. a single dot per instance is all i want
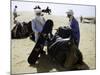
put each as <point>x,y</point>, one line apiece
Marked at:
<point>69,43</point>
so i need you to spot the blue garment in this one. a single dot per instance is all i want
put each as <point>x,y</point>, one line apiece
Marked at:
<point>38,23</point>
<point>37,26</point>
<point>75,30</point>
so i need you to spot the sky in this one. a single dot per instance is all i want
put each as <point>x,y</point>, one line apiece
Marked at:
<point>57,9</point>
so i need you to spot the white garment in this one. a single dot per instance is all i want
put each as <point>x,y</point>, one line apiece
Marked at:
<point>15,10</point>
<point>37,25</point>
<point>36,36</point>
<point>37,11</point>
<point>70,12</point>
<point>70,20</point>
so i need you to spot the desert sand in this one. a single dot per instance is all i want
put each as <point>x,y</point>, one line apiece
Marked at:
<point>21,48</point>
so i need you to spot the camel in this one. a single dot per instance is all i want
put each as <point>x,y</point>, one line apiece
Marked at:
<point>47,10</point>
<point>22,30</point>
<point>64,51</point>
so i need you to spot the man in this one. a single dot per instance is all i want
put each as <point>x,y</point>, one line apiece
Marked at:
<point>81,19</point>
<point>15,12</point>
<point>74,26</point>
<point>38,48</point>
<point>38,22</point>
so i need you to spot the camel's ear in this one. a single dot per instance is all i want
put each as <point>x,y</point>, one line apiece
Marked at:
<point>39,7</point>
<point>35,7</point>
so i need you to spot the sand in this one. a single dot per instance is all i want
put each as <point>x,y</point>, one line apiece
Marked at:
<point>21,48</point>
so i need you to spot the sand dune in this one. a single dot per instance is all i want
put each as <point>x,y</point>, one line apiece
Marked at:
<point>21,48</point>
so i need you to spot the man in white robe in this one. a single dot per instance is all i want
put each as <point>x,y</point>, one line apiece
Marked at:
<point>37,23</point>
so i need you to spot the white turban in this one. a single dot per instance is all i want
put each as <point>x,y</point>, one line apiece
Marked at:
<point>70,12</point>
<point>37,10</point>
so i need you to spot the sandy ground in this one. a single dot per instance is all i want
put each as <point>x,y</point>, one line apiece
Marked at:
<point>21,48</point>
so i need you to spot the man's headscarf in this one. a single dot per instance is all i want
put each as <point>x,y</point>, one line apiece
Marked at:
<point>70,12</point>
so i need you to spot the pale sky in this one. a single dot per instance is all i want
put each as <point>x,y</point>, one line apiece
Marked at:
<point>57,9</point>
